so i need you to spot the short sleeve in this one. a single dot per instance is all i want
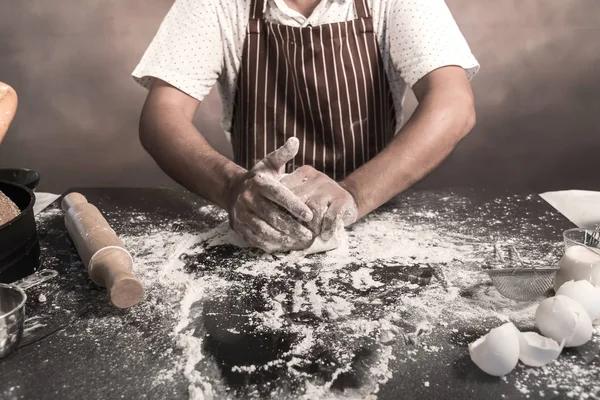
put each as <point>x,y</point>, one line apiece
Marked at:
<point>187,51</point>
<point>422,36</point>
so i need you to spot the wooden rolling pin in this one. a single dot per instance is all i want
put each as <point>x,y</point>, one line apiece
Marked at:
<point>108,262</point>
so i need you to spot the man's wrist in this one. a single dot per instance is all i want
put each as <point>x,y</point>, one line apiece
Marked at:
<point>234,176</point>
<point>350,186</point>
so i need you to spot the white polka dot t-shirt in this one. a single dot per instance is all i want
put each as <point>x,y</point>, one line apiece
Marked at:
<point>199,43</point>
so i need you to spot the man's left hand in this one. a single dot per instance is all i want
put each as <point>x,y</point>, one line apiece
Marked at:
<point>330,203</point>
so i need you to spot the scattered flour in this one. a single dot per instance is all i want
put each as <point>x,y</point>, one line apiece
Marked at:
<point>358,307</point>
<point>361,279</point>
<point>341,314</point>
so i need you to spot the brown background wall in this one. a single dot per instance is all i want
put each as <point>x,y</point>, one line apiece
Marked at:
<point>538,93</point>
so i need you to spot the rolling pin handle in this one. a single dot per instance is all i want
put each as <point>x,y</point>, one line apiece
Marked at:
<point>112,268</point>
<point>72,199</point>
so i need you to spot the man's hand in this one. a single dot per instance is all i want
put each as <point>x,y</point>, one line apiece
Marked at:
<point>331,204</point>
<point>265,212</point>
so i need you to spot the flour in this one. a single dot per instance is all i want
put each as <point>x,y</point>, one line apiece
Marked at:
<point>332,321</point>
<point>48,214</point>
<point>562,376</point>
<point>355,317</point>
<point>350,301</point>
<point>361,279</point>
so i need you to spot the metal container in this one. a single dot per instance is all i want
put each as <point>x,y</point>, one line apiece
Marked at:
<point>12,317</point>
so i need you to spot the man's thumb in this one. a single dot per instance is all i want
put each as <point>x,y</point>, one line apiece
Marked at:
<point>283,155</point>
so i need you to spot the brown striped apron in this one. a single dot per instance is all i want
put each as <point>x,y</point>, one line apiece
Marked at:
<point>325,84</point>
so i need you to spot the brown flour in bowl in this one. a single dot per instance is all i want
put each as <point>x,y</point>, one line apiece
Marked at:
<point>8,209</point>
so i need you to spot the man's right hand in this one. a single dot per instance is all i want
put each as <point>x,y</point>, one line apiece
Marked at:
<point>265,212</point>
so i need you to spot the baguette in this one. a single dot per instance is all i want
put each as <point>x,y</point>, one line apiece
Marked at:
<point>8,107</point>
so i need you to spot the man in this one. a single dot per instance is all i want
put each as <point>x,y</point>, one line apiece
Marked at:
<point>329,74</point>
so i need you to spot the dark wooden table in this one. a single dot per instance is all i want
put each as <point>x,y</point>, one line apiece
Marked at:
<point>77,346</point>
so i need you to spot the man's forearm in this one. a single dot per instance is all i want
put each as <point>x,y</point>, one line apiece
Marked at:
<point>183,153</point>
<point>440,121</point>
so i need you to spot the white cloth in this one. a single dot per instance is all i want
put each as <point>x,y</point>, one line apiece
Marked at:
<point>200,43</point>
<point>582,207</point>
<point>43,200</point>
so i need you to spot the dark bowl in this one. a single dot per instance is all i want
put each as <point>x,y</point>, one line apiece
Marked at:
<point>18,237</point>
<point>22,176</point>
<point>24,262</point>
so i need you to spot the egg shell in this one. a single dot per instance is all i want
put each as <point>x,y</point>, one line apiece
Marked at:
<point>561,317</point>
<point>537,350</point>
<point>497,353</point>
<point>585,294</point>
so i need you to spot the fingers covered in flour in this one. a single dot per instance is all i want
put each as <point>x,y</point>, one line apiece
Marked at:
<point>296,179</point>
<point>281,195</point>
<point>282,221</point>
<point>254,238</point>
<point>262,223</point>
<point>318,207</point>
<point>267,213</point>
<point>275,161</point>
<point>258,233</point>
<point>332,206</point>
<point>262,230</point>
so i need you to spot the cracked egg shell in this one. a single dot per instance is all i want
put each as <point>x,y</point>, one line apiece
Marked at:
<point>497,353</point>
<point>585,294</point>
<point>561,317</point>
<point>537,350</point>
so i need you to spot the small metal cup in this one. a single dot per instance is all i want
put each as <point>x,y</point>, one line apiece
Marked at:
<point>12,317</point>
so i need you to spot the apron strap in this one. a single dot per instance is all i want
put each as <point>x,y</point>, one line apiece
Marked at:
<point>257,8</point>
<point>362,9</point>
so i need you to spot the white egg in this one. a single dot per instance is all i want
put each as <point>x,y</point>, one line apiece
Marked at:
<point>561,317</point>
<point>497,353</point>
<point>585,294</point>
<point>537,350</point>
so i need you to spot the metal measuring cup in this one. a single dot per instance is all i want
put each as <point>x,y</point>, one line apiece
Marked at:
<point>12,317</point>
<point>12,309</point>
